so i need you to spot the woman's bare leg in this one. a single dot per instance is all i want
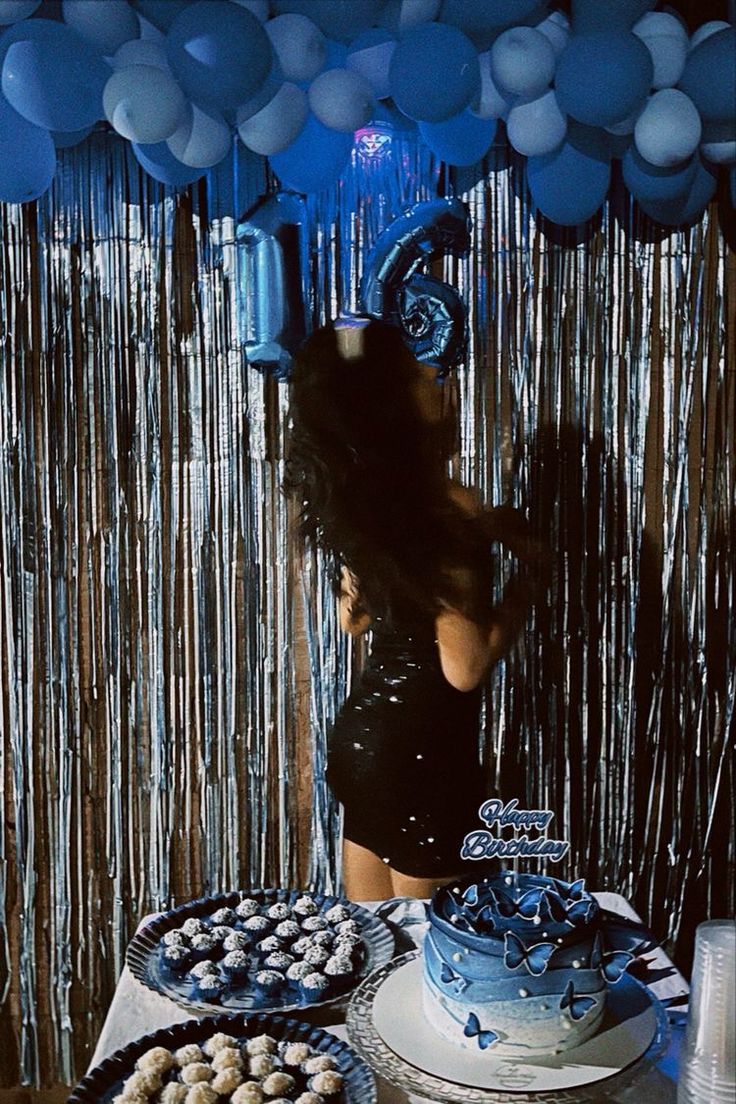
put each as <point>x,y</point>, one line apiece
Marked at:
<point>403,885</point>
<point>365,876</point>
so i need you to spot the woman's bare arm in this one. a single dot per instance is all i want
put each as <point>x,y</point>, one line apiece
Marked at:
<point>353,619</point>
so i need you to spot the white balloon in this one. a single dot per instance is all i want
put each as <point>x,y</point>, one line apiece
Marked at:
<point>490,104</point>
<point>141,51</point>
<point>720,153</point>
<point>299,45</point>
<point>341,99</point>
<point>537,127</point>
<point>556,28</point>
<point>275,126</point>
<point>666,39</point>
<point>373,63</point>
<point>522,62</point>
<point>106,26</point>
<point>668,130</point>
<point>143,103</point>
<point>202,139</point>
<point>399,15</point>
<point>258,7</point>
<point>12,11</point>
<point>706,30</point>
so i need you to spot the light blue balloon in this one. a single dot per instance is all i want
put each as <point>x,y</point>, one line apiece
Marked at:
<point>463,140</point>
<point>647,183</point>
<point>106,26</point>
<point>27,157</point>
<point>570,185</point>
<point>607,15</point>
<point>666,39</point>
<point>537,127</point>
<point>160,163</point>
<point>603,77</point>
<point>522,63</point>
<point>51,76</point>
<point>668,130</point>
<point>315,160</point>
<point>220,53</point>
<point>688,206</point>
<point>709,78</point>
<point>434,73</point>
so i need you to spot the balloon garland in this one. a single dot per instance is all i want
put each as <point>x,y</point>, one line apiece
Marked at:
<point>294,80</point>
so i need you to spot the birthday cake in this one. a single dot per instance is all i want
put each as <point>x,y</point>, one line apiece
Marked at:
<point>514,964</point>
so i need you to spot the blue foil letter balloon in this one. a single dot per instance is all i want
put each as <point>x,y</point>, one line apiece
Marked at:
<point>430,312</point>
<point>271,267</point>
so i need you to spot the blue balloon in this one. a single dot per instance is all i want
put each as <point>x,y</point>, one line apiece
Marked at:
<point>647,183</point>
<point>608,15</point>
<point>434,322</point>
<point>570,184</point>
<point>160,163</point>
<point>462,140</point>
<point>27,157</point>
<point>315,160</point>
<point>65,139</point>
<point>601,78</point>
<point>161,13</point>
<point>434,72</point>
<point>106,26</point>
<point>219,52</point>
<point>689,205</point>
<point>482,22</point>
<point>709,78</point>
<point>339,19</point>
<point>51,76</point>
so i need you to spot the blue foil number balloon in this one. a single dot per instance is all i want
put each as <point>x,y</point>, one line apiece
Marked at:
<point>430,313</point>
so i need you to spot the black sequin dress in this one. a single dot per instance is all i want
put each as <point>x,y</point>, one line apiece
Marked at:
<point>403,753</point>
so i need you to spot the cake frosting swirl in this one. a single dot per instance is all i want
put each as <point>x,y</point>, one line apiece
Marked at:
<point>513,964</point>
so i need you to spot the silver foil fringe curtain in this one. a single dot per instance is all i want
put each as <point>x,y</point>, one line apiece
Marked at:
<point>170,661</point>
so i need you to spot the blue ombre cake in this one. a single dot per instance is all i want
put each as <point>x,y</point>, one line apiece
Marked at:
<point>513,964</point>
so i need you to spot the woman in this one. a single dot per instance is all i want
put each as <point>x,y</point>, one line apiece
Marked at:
<point>412,552</point>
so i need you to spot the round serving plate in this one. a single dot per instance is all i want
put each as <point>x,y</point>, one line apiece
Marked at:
<point>144,960</point>
<point>105,1081</point>
<point>386,1026</point>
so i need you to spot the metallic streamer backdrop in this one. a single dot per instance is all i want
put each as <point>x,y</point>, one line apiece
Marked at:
<point>170,662</point>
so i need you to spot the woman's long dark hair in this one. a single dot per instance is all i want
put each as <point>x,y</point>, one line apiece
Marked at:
<point>370,476</point>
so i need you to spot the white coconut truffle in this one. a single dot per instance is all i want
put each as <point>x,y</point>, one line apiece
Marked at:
<point>218,1042</point>
<point>347,927</point>
<point>193,926</point>
<point>261,1044</point>
<point>302,945</point>
<point>278,1083</point>
<point>247,908</point>
<point>319,1063</point>
<point>298,971</point>
<point>338,966</point>
<point>296,1053</point>
<point>316,923</point>
<point>327,1083</point>
<point>250,1092</point>
<point>201,1093</point>
<point>257,925</point>
<point>305,906</point>
<point>316,956</point>
<point>260,1065</point>
<point>196,1072</point>
<point>206,966</point>
<point>187,1054</point>
<point>236,941</point>
<point>175,938</point>
<point>227,1080</point>
<point>223,916</point>
<point>173,1093</point>
<point>337,914</point>
<point>133,1096</point>
<point>228,1057</point>
<point>309,1098</point>
<point>279,911</point>
<point>270,944</point>
<point>143,1081</point>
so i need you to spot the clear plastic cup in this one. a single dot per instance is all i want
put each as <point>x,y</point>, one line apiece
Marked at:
<point>708,1059</point>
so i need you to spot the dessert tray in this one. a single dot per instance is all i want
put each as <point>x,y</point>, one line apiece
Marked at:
<point>354,1083</point>
<point>335,929</point>
<point>385,1024</point>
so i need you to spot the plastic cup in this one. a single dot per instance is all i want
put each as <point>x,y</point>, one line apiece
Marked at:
<point>708,1060</point>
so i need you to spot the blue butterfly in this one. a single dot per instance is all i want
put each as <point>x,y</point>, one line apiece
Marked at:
<point>534,958</point>
<point>447,975</point>
<point>503,904</point>
<point>472,1030</point>
<point>573,892</point>
<point>574,913</point>
<point>579,1005</point>
<point>613,964</point>
<point>529,904</point>
<point>470,896</point>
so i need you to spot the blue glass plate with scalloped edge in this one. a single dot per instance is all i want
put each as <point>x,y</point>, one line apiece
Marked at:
<point>105,1081</point>
<point>146,964</point>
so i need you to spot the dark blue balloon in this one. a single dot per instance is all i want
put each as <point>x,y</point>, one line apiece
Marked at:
<point>688,206</point>
<point>219,52</point>
<point>27,157</point>
<point>160,163</point>
<point>709,78</point>
<point>341,20</point>
<point>434,320</point>
<point>603,78</point>
<point>462,140</point>
<point>161,13</point>
<point>315,160</point>
<point>65,139</point>
<point>51,76</point>
<point>482,22</point>
<point>608,15</point>
<point>570,184</point>
<point>434,72</point>
<point>648,183</point>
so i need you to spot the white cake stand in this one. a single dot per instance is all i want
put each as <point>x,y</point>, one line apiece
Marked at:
<point>386,1026</point>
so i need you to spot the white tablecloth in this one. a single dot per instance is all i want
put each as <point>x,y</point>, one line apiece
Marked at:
<point>136,1010</point>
